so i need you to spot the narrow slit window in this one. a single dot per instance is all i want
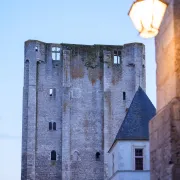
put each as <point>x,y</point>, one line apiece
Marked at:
<point>112,163</point>
<point>36,48</point>
<point>51,92</point>
<point>54,126</point>
<point>119,57</point>
<point>53,155</point>
<point>50,125</point>
<point>124,95</point>
<point>115,57</point>
<point>98,156</point>
<point>138,159</point>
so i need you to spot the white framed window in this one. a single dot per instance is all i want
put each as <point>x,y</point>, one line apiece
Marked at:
<point>56,53</point>
<point>139,158</point>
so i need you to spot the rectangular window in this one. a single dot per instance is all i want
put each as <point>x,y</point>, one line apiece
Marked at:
<point>56,55</point>
<point>124,95</point>
<point>117,57</point>
<point>50,92</point>
<point>138,159</point>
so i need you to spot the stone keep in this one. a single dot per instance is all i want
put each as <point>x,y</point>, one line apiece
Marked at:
<point>86,90</point>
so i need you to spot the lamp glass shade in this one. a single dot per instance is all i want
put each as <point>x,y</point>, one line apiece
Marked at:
<point>147,16</point>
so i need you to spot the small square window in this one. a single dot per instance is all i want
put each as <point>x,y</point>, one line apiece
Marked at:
<point>57,48</point>
<point>139,152</point>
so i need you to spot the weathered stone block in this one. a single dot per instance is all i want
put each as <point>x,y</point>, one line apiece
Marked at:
<point>165,142</point>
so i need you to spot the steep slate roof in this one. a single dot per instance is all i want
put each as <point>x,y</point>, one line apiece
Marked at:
<point>135,124</point>
<point>136,121</point>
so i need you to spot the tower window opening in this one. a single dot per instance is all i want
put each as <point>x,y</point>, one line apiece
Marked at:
<point>50,125</point>
<point>53,155</point>
<point>124,95</point>
<point>36,48</point>
<point>54,126</point>
<point>51,92</point>
<point>56,53</point>
<point>97,156</point>
<point>117,57</point>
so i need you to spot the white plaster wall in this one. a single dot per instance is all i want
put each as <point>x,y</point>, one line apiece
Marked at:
<point>124,161</point>
<point>132,175</point>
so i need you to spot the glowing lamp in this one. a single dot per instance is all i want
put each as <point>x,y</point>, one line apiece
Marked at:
<point>147,16</point>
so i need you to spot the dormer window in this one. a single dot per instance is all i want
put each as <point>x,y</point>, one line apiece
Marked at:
<point>56,53</point>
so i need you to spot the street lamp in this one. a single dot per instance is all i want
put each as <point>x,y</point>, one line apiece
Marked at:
<point>147,16</point>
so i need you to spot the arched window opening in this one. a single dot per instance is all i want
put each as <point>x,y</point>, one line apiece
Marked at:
<point>50,125</point>
<point>54,126</point>
<point>97,156</point>
<point>53,155</point>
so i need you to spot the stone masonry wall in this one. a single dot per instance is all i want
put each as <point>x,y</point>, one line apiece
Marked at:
<point>167,55</point>
<point>87,106</point>
<point>165,143</point>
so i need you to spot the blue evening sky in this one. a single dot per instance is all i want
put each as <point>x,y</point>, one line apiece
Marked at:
<point>68,21</point>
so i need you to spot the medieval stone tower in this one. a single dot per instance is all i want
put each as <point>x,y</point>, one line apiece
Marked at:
<point>75,99</point>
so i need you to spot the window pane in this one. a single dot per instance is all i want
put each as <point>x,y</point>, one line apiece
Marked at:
<point>115,53</point>
<point>115,59</point>
<point>119,53</point>
<point>118,60</point>
<point>53,48</point>
<point>58,56</point>
<point>138,152</point>
<point>58,49</point>
<point>54,56</point>
<point>138,163</point>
